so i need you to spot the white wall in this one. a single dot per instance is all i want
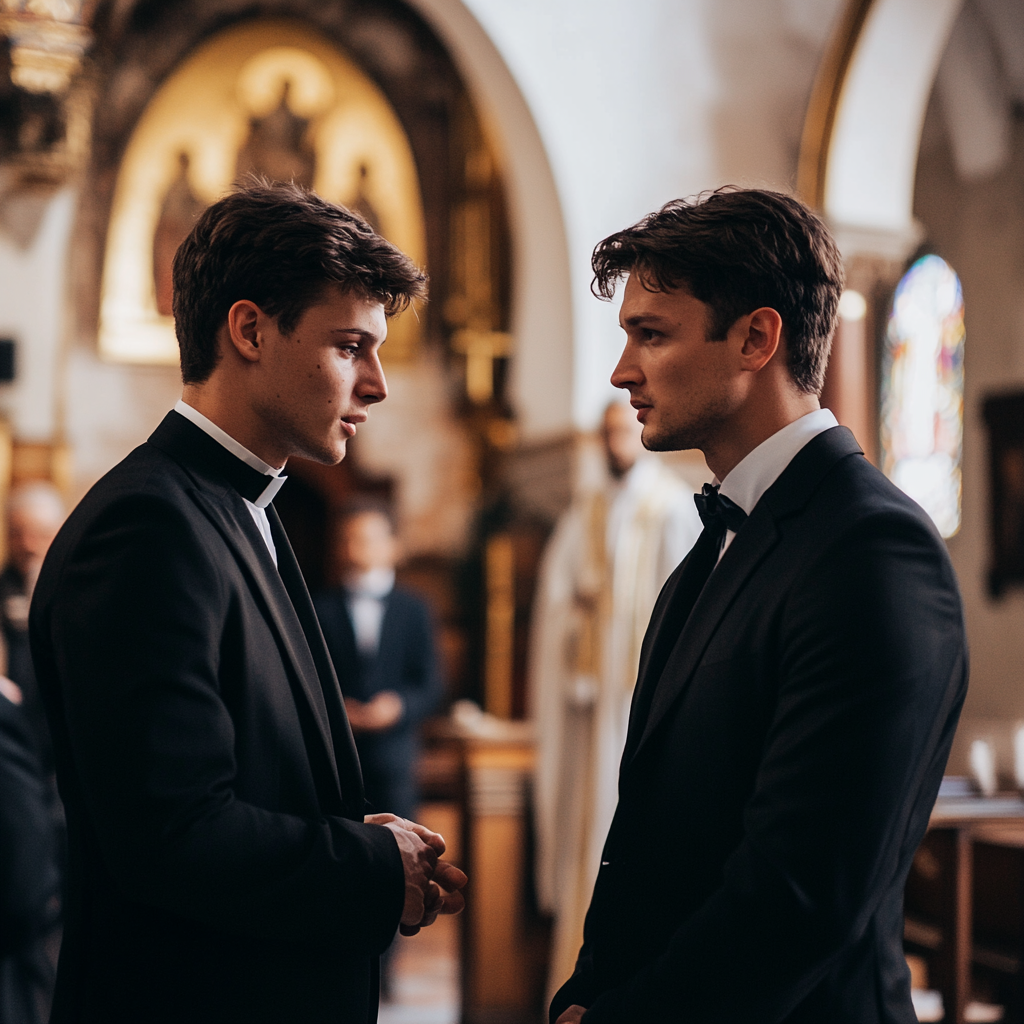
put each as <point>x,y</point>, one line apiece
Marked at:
<point>978,225</point>
<point>33,282</point>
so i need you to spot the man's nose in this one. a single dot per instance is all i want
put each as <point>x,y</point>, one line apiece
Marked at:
<point>373,387</point>
<point>626,371</point>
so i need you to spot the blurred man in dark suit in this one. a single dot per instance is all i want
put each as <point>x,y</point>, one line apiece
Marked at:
<point>29,875</point>
<point>381,640</point>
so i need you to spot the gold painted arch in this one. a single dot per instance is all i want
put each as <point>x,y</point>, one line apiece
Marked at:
<point>184,154</point>
<point>826,93</point>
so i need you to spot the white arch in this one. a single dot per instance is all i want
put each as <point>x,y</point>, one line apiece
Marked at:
<point>872,156</point>
<point>542,369</point>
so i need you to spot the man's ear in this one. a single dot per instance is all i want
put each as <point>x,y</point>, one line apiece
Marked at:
<point>244,332</point>
<point>761,333</point>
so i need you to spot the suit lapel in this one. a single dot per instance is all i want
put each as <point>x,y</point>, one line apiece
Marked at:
<point>743,556</point>
<point>346,758</point>
<point>251,552</point>
<point>790,492</point>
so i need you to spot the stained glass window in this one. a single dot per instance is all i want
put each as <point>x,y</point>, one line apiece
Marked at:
<point>923,390</point>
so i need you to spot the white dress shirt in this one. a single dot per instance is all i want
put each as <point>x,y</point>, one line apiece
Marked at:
<point>258,508</point>
<point>367,593</point>
<point>759,469</point>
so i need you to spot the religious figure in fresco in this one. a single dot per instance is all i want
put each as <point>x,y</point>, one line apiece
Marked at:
<point>179,212</point>
<point>362,205</point>
<point>279,146</point>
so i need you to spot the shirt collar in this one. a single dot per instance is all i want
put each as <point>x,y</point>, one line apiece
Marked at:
<point>376,583</point>
<point>759,469</point>
<point>277,477</point>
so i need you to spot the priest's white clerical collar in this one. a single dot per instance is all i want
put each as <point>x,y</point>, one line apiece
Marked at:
<point>222,437</point>
<point>759,469</point>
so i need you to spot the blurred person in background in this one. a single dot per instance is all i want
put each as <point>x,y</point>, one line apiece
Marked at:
<point>382,642</point>
<point>608,558</point>
<point>29,873</point>
<point>35,512</point>
<point>31,816</point>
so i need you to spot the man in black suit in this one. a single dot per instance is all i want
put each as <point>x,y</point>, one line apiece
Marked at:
<point>382,643</point>
<point>805,666</point>
<point>220,867</point>
<point>29,871</point>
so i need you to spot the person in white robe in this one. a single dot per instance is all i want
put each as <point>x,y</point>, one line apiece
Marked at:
<point>608,558</point>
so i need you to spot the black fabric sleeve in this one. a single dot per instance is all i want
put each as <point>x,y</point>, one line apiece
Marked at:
<point>872,673</point>
<point>135,631</point>
<point>29,880</point>
<point>577,991</point>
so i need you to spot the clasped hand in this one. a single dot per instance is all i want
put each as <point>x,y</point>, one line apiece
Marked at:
<point>432,887</point>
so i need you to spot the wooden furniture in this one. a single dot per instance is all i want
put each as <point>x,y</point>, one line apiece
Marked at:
<point>942,905</point>
<point>501,969</point>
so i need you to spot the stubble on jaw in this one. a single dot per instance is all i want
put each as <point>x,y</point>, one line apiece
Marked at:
<point>698,433</point>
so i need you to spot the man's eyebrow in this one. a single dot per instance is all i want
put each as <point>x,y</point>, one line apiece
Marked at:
<point>366,335</point>
<point>638,319</point>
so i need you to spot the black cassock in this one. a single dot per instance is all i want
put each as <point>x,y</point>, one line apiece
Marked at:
<point>219,868</point>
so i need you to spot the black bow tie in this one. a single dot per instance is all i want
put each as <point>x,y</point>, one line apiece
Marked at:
<point>717,512</point>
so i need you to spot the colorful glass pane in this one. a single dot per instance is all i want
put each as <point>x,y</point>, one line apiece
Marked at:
<point>923,390</point>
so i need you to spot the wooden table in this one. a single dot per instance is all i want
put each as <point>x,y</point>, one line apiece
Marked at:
<point>494,759</point>
<point>997,820</point>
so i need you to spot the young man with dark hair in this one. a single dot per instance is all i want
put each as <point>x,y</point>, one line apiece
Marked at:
<point>220,865</point>
<point>805,666</point>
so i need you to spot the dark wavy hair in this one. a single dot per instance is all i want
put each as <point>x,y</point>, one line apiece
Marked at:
<point>278,245</point>
<point>737,250</point>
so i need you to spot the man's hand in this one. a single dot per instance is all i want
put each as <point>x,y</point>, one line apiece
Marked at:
<point>572,1015</point>
<point>376,715</point>
<point>432,887</point>
<point>11,690</point>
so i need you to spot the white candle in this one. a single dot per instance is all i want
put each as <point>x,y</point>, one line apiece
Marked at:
<point>983,766</point>
<point>1018,755</point>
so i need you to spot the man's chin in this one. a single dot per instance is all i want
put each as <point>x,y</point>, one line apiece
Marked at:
<point>655,440</point>
<point>328,453</point>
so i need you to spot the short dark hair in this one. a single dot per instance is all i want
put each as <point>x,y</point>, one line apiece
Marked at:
<point>278,245</point>
<point>737,250</point>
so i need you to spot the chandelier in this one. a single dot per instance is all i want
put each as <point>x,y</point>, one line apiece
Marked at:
<point>48,40</point>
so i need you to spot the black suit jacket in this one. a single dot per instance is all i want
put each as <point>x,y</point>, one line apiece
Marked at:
<point>405,662</point>
<point>771,800</point>
<point>29,875</point>
<point>219,869</point>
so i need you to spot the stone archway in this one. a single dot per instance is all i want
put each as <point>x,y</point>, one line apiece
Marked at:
<point>863,128</point>
<point>542,371</point>
<point>858,158</point>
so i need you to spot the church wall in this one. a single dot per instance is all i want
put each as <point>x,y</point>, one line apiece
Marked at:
<point>978,226</point>
<point>32,309</point>
<point>540,377</point>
